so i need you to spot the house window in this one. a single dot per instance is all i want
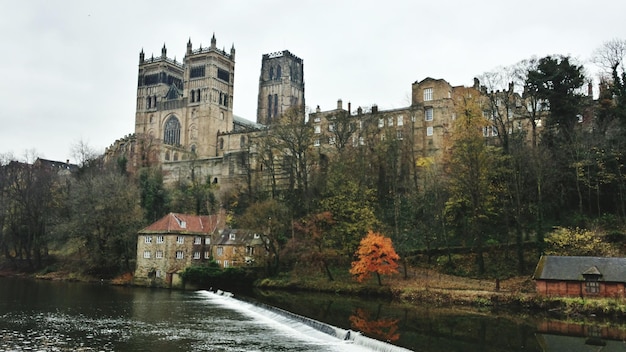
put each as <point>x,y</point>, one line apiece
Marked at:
<point>157,273</point>
<point>160,239</point>
<point>249,251</point>
<point>197,240</point>
<point>159,255</point>
<point>428,114</point>
<point>232,236</point>
<point>226,264</point>
<point>592,287</point>
<point>256,235</point>
<point>399,135</point>
<point>331,140</point>
<point>331,127</point>
<point>146,254</point>
<point>196,255</point>
<point>400,121</point>
<point>207,255</point>
<point>318,129</point>
<point>180,255</point>
<point>180,239</point>
<point>428,94</point>
<point>381,123</point>
<point>316,143</point>
<point>485,131</point>
<point>220,251</point>
<point>207,240</point>
<point>390,121</point>
<point>429,130</point>
<point>148,239</point>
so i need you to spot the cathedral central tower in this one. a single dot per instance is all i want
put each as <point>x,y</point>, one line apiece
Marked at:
<point>281,85</point>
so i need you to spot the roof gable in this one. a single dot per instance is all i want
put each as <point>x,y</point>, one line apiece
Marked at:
<point>187,224</point>
<point>574,268</point>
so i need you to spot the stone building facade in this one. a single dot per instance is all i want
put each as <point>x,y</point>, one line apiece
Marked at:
<point>184,121</point>
<point>173,243</point>
<point>281,85</point>
<point>177,241</point>
<point>182,106</point>
<point>184,117</point>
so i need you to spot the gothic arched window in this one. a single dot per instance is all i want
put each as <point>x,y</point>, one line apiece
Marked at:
<point>278,72</point>
<point>171,135</point>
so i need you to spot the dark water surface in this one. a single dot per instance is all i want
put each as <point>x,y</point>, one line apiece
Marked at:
<point>63,316</point>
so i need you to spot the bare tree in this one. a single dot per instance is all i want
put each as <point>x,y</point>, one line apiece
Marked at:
<point>610,56</point>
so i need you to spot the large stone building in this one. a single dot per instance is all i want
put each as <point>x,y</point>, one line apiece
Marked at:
<point>184,120</point>
<point>184,114</point>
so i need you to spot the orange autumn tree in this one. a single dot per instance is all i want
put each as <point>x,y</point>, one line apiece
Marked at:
<point>376,255</point>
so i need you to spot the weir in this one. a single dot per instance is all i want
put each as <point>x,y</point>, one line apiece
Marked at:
<point>347,337</point>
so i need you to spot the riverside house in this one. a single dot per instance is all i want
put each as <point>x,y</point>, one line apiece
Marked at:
<point>580,276</point>
<point>173,243</point>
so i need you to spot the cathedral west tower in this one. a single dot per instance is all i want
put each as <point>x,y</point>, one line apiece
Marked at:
<point>182,106</point>
<point>281,85</point>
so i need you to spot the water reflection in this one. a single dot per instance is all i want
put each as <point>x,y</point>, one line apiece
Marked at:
<point>567,336</point>
<point>385,329</point>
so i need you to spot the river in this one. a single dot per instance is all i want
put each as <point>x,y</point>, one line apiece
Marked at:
<point>63,316</point>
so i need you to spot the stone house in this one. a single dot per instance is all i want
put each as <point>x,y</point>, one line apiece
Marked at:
<point>580,276</point>
<point>173,243</point>
<point>234,248</point>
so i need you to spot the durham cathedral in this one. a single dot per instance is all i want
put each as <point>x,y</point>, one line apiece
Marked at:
<point>184,118</point>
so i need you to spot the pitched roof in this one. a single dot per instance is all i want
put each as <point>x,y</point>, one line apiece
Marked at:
<point>573,268</point>
<point>187,224</point>
<point>241,237</point>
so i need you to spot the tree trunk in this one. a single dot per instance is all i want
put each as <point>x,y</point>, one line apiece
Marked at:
<point>328,273</point>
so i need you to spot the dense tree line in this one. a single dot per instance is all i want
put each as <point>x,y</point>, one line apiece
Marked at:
<point>564,168</point>
<point>88,214</point>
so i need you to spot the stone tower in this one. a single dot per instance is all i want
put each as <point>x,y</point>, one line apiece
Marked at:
<point>281,85</point>
<point>182,106</point>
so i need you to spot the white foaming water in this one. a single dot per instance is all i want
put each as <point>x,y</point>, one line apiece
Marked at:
<point>303,328</point>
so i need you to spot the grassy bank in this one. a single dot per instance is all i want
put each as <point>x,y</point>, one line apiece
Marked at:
<point>429,287</point>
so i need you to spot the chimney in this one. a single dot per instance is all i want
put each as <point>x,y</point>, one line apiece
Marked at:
<point>339,104</point>
<point>374,109</point>
<point>349,108</point>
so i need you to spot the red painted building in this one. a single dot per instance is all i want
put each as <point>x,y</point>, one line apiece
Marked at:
<point>581,276</point>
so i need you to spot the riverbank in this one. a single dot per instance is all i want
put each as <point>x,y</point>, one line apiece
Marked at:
<point>421,287</point>
<point>429,287</point>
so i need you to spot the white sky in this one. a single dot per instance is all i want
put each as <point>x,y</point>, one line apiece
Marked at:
<point>68,69</point>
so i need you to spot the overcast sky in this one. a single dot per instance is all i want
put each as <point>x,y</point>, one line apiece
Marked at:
<point>68,69</point>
